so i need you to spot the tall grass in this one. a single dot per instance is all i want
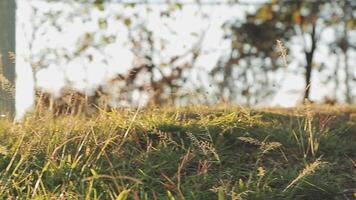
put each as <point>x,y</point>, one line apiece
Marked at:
<point>74,148</point>
<point>178,153</point>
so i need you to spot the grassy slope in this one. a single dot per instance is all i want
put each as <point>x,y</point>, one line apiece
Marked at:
<point>188,153</point>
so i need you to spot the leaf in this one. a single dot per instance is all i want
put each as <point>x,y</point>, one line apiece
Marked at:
<point>102,23</point>
<point>265,13</point>
<point>170,195</point>
<point>297,17</point>
<point>241,184</point>
<point>123,195</point>
<point>351,24</point>
<point>127,22</point>
<point>221,194</point>
<point>130,5</point>
<point>99,4</point>
<point>93,172</point>
<point>179,6</point>
<point>194,34</point>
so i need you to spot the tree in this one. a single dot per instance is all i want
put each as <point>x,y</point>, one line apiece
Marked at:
<point>253,40</point>
<point>7,45</point>
<point>160,79</point>
<point>246,74</point>
<point>344,44</point>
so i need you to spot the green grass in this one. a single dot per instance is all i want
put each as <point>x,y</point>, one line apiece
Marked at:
<point>187,153</point>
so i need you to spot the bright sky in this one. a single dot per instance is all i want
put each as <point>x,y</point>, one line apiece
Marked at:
<point>85,75</point>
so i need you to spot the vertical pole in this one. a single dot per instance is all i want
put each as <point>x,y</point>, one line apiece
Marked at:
<point>7,65</point>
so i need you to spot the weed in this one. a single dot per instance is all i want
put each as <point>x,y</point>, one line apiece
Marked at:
<point>177,153</point>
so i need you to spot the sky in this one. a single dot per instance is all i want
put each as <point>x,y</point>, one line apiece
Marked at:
<point>86,75</point>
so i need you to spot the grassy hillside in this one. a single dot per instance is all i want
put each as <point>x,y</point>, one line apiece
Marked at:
<point>188,153</point>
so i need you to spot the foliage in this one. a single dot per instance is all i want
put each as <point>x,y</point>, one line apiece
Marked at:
<point>252,66</point>
<point>181,153</point>
<point>156,76</point>
<point>249,73</point>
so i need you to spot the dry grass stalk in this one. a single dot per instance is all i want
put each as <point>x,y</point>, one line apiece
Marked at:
<point>205,146</point>
<point>308,170</point>
<point>269,146</point>
<point>265,147</point>
<point>282,52</point>
<point>5,84</point>
<point>12,57</point>
<point>313,140</point>
<point>250,140</point>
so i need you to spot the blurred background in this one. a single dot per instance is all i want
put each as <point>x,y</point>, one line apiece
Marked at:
<point>166,52</point>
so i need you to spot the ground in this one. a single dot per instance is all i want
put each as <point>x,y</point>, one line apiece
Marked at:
<point>195,152</point>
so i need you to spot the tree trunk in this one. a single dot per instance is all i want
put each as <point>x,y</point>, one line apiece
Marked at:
<point>345,47</point>
<point>347,79</point>
<point>309,55</point>
<point>7,44</point>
